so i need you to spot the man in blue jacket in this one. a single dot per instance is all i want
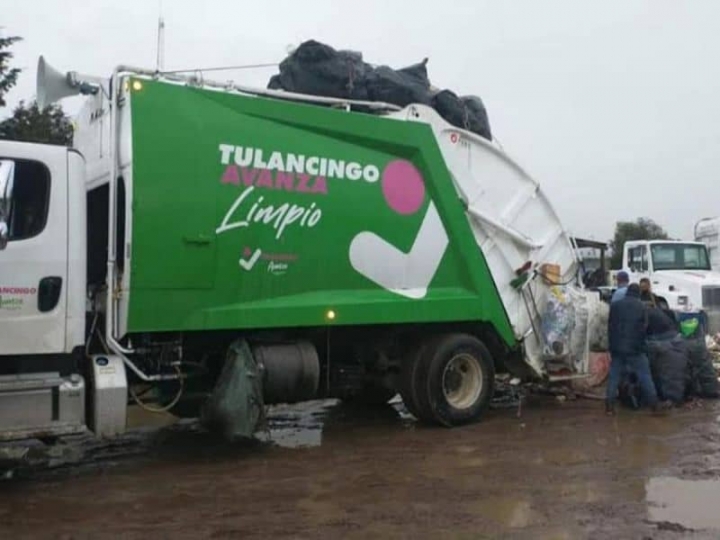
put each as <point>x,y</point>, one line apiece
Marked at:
<point>627,333</point>
<point>623,280</point>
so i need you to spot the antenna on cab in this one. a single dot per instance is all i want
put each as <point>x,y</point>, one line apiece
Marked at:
<point>160,62</point>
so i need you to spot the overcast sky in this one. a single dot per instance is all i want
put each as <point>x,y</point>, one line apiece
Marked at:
<point>611,104</point>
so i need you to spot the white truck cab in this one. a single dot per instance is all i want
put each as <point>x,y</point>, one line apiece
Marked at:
<point>42,289</point>
<point>42,275</point>
<point>680,274</point>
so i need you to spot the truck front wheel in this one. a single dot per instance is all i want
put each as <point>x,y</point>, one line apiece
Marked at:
<point>450,380</point>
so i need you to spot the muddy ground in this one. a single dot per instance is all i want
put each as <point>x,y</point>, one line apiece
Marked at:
<point>561,470</point>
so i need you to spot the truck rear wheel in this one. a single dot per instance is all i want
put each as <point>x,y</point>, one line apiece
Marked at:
<point>450,381</point>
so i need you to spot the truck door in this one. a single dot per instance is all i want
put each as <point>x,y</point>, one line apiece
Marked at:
<point>33,260</point>
<point>638,263</point>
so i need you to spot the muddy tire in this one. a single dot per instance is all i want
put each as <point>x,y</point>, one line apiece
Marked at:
<point>451,380</point>
<point>409,379</point>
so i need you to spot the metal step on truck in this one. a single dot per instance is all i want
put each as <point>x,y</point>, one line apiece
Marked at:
<point>200,234</point>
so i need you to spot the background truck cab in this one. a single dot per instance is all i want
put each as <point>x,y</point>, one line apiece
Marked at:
<point>707,231</point>
<point>680,275</point>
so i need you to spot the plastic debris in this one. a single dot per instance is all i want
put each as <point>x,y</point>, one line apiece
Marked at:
<point>558,322</point>
<point>598,331</point>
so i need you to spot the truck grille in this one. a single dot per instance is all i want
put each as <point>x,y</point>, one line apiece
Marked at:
<point>711,297</point>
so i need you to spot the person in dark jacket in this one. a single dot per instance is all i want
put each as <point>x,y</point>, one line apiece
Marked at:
<point>627,333</point>
<point>646,294</point>
<point>652,301</point>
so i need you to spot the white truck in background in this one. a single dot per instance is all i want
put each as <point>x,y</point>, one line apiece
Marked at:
<point>680,273</point>
<point>707,231</point>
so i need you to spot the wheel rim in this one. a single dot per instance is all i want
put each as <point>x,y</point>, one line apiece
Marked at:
<point>462,381</point>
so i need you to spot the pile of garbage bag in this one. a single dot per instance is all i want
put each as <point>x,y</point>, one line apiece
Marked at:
<point>317,69</point>
<point>682,368</point>
<point>702,376</point>
<point>669,367</point>
<point>683,364</point>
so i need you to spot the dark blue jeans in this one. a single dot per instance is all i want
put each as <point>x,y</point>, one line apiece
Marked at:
<point>638,364</point>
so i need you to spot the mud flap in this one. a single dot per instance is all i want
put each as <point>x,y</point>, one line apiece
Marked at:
<point>235,408</point>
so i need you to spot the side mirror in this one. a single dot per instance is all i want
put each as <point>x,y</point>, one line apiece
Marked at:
<point>7,178</point>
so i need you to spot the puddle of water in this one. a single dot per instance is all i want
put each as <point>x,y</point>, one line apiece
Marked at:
<point>295,436</point>
<point>298,426</point>
<point>690,503</point>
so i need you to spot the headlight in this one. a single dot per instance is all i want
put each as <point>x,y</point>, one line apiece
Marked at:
<point>682,300</point>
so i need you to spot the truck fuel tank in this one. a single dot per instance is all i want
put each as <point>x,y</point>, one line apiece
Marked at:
<point>41,405</point>
<point>109,396</point>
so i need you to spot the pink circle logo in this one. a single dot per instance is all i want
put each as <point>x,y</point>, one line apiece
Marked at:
<point>403,187</point>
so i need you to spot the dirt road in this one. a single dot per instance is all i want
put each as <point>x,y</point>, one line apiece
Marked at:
<point>563,470</point>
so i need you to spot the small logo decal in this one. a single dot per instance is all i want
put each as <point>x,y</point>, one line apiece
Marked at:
<point>250,259</point>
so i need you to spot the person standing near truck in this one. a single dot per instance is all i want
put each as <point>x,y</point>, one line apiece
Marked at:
<point>646,294</point>
<point>623,280</point>
<point>662,318</point>
<point>627,333</point>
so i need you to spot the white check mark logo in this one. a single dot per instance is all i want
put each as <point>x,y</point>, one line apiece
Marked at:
<point>248,264</point>
<point>407,274</point>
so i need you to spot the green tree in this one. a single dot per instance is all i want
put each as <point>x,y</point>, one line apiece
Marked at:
<point>640,229</point>
<point>31,124</point>
<point>8,75</point>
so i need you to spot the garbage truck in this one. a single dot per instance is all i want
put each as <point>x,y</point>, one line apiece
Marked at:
<point>205,246</point>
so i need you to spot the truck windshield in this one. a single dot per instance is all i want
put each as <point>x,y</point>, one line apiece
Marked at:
<point>679,257</point>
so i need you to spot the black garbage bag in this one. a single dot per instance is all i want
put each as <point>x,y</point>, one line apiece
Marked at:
<point>478,121</point>
<point>451,108</point>
<point>400,87</point>
<point>668,364</point>
<point>235,408</point>
<point>319,70</point>
<point>466,113</point>
<point>703,381</point>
